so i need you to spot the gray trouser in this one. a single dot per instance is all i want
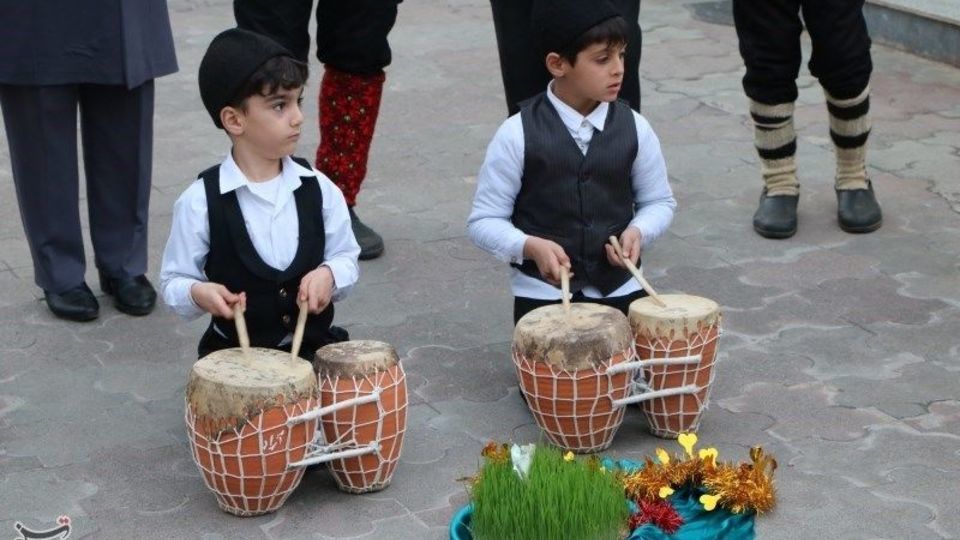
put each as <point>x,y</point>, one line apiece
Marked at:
<point>116,124</point>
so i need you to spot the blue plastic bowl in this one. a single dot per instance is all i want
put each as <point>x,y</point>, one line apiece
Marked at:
<point>460,524</point>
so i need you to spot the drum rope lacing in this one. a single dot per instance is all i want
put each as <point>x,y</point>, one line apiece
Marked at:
<point>225,447</point>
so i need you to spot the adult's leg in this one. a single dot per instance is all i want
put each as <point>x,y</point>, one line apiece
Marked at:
<point>630,10</point>
<point>41,124</point>
<point>352,44</point>
<point>522,66</point>
<point>117,128</point>
<point>286,21</point>
<point>769,34</point>
<point>841,61</point>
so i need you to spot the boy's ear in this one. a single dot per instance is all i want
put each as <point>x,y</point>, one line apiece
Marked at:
<point>232,120</point>
<point>556,65</point>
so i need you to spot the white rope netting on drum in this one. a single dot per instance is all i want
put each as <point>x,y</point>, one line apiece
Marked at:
<point>576,409</point>
<point>362,448</point>
<point>674,384</point>
<point>248,467</point>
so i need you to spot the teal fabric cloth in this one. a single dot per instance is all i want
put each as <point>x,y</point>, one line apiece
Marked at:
<point>698,524</point>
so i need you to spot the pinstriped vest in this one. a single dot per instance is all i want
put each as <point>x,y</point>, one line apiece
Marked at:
<point>573,199</point>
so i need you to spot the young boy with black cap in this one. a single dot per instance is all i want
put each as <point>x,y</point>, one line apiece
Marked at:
<point>262,229</point>
<point>572,168</point>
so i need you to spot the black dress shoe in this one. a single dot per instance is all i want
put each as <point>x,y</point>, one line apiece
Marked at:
<point>858,210</point>
<point>371,244</point>
<point>776,217</point>
<point>131,295</point>
<point>76,304</point>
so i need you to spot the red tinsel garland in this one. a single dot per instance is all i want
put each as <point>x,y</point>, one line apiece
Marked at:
<point>660,513</point>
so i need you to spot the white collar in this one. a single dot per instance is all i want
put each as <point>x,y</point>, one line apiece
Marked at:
<point>232,178</point>
<point>573,119</point>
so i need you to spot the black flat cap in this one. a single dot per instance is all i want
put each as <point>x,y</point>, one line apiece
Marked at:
<point>232,57</point>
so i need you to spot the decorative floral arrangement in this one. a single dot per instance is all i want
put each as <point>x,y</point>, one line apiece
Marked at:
<point>540,492</point>
<point>739,488</point>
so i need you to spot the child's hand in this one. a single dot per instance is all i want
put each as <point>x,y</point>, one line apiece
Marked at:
<point>549,257</point>
<point>316,289</point>
<point>630,241</point>
<point>216,300</point>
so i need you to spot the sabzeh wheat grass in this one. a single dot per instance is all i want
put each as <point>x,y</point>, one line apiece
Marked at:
<point>562,500</point>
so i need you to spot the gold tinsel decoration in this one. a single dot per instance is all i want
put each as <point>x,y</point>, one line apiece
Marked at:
<point>745,486</point>
<point>741,487</point>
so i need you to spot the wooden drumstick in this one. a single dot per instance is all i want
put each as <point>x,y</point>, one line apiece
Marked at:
<point>298,332</point>
<point>565,287</point>
<point>241,328</point>
<point>636,273</point>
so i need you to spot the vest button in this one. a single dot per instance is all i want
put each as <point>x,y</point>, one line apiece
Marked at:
<point>283,293</point>
<point>285,319</point>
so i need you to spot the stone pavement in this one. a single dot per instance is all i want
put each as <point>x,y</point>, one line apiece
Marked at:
<point>841,353</point>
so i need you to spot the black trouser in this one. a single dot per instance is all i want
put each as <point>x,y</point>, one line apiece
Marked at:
<point>117,128</point>
<point>211,341</point>
<point>769,33</point>
<point>523,305</point>
<point>522,66</point>
<point>351,34</point>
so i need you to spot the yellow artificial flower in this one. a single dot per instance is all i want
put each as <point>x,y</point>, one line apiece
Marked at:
<point>665,492</point>
<point>663,456</point>
<point>709,455</point>
<point>709,502</point>
<point>568,456</point>
<point>688,441</point>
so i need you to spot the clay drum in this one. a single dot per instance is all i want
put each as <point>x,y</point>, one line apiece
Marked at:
<point>370,432</point>
<point>237,407</point>
<point>677,345</point>
<point>562,360</point>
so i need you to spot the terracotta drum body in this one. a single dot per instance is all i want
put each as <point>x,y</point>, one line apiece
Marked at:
<point>237,407</point>
<point>682,336</point>
<point>561,359</point>
<point>351,370</point>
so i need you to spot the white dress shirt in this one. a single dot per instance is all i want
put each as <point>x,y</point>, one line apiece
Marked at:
<point>270,214</point>
<point>498,184</point>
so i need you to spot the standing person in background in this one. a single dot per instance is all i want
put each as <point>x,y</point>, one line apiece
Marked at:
<point>58,56</point>
<point>522,67</point>
<point>353,48</point>
<point>769,33</point>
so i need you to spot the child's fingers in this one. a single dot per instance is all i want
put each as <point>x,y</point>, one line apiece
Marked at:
<point>221,308</point>
<point>612,256</point>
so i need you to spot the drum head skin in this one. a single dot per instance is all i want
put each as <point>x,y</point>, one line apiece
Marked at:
<point>586,337</point>
<point>684,315</point>
<point>226,387</point>
<point>354,358</point>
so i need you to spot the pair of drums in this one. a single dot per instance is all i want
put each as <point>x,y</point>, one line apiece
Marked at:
<point>580,368</point>
<point>257,418</point>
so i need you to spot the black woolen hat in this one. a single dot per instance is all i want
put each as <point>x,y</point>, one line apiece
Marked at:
<point>232,57</point>
<point>556,24</point>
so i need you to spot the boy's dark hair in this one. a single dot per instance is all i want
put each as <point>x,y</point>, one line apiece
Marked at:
<point>279,72</point>
<point>613,32</point>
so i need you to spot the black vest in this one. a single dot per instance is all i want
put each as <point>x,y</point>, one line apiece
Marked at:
<point>577,200</point>
<point>271,293</point>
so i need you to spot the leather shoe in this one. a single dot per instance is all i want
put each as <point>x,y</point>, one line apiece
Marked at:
<point>371,244</point>
<point>131,295</point>
<point>858,210</point>
<point>776,217</point>
<point>76,304</point>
